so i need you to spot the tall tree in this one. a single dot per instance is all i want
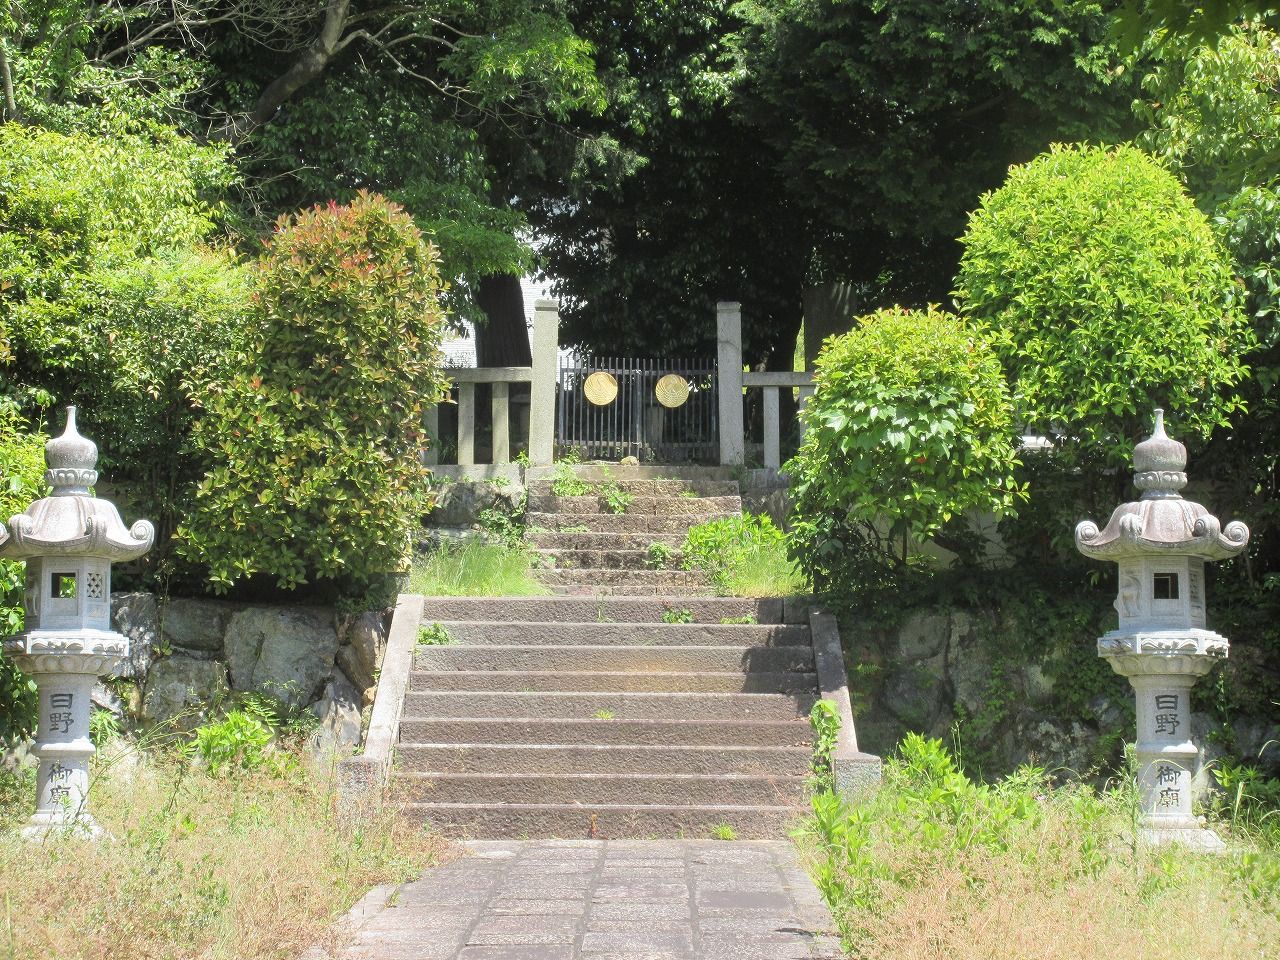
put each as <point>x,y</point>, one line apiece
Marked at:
<point>767,147</point>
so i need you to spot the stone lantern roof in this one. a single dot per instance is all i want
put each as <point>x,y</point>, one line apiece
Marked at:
<point>69,522</point>
<point>1161,523</point>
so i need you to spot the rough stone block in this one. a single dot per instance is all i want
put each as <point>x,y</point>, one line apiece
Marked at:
<point>182,688</point>
<point>923,635</point>
<point>196,624</point>
<point>135,615</point>
<point>338,710</point>
<point>285,652</point>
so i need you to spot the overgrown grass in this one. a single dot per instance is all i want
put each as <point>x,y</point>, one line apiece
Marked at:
<point>476,569</point>
<point>240,867</point>
<point>936,866</point>
<point>745,556</point>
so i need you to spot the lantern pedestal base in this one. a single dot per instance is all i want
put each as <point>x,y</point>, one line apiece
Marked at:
<point>41,826</point>
<point>64,680</point>
<point>1197,839</point>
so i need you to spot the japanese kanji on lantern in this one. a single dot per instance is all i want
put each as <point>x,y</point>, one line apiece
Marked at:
<point>1161,543</point>
<point>69,540</point>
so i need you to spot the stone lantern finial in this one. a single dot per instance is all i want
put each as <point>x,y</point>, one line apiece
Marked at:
<point>72,461</point>
<point>1161,543</point>
<point>69,540</point>
<point>1159,464</point>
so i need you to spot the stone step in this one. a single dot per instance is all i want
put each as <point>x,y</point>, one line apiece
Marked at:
<point>537,821</point>
<point>596,733</point>
<point>504,634</point>
<point>653,506</point>
<point>654,580</point>
<point>595,681</point>
<point>618,522</point>
<point>600,788</point>
<point>636,659</point>
<point>647,609</point>
<point>525,760</point>
<point>625,590</point>
<point>561,559</point>
<point>552,540</point>
<point>662,487</point>
<point>608,706</point>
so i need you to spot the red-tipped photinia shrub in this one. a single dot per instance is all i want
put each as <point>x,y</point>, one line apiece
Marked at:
<point>313,449</point>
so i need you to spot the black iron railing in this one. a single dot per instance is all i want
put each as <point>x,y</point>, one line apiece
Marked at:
<point>620,413</point>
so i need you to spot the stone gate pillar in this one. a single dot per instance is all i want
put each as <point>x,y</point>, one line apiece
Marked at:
<point>729,383</point>
<point>542,391</point>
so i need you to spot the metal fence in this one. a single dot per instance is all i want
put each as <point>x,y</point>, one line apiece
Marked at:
<point>614,407</point>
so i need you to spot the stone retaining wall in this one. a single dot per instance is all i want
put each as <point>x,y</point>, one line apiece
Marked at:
<point>941,666</point>
<point>186,655</point>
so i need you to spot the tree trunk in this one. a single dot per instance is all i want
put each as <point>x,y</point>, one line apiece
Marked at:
<point>503,341</point>
<point>6,80</point>
<point>828,309</point>
<point>302,71</point>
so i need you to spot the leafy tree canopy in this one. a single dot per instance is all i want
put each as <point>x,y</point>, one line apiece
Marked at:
<point>1215,119</point>
<point>319,101</point>
<point>1179,25</point>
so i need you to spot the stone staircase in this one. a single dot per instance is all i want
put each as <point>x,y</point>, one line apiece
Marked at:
<point>591,550</point>
<point>584,714</point>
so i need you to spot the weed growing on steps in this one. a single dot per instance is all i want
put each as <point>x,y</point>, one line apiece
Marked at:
<point>748,620</point>
<point>677,615</point>
<point>603,715</point>
<point>934,864</point>
<point>659,556</point>
<point>435,635</point>
<point>616,500</point>
<point>745,556</point>
<point>724,831</point>
<point>824,719</point>
<point>566,483</point>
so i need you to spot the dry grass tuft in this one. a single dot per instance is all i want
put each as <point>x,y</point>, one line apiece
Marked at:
<point>936,867</point>
<point>240,867</point>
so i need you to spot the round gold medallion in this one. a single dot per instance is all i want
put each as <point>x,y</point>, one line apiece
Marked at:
<point>672,390</point>
<point>600,388</point>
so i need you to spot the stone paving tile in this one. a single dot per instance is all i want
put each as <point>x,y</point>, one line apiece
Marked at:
<point>605,900</point>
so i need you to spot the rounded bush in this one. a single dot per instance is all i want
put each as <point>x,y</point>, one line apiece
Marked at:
<point>1107,295</point>
<point>910,425</point>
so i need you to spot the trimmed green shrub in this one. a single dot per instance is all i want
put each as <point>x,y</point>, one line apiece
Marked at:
<point>910,426</point>
<point>314,449</point>
<point>1108,295</point>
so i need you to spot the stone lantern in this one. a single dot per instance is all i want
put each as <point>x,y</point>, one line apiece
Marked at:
<point>69,541</point>
<point>1161,543</point>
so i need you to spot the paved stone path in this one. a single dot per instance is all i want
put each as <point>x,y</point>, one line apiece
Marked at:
<point>605,900</point>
